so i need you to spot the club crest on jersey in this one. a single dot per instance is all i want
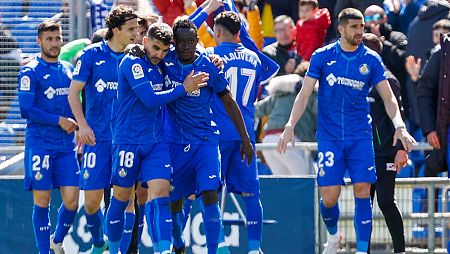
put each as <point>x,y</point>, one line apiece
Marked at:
<point>321,172</point>
<point>38,176</point>
<point>122,172</point>
<point>25,83</point>
<point>364,69</point>
<point>137,70</point>
<point>86,175</point>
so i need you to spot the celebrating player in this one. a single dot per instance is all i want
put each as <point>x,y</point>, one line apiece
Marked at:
<point>346,70</point>
<point>50,156</point>
<point>96,72</point>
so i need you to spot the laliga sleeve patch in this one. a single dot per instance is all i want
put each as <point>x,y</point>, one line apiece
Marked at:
<point>25,83</point>
<point>137,70</point>
<point>76,71</point>
<point>390,167</point>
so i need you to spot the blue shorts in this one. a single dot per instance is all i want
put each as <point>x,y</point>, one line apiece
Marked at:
<point>140,162</point>
<point>239,177</point>
<point>50,169</point>
<point>96,166</point>
<point>354,156</point>
<point>196,168</point>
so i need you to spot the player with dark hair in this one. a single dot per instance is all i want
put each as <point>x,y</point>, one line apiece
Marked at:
<point>96,72</point>
<point>192,133</point>
<point>346,70</point>
<point>50,156</point>
<point>242,69</point>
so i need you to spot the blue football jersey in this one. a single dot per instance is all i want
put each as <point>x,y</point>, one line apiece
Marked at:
<point>345,79</point>
<point>242,69</point>
<point>43,90</point>
<point>189,118</point>
<point>136,124</point>
<point>97,67</point>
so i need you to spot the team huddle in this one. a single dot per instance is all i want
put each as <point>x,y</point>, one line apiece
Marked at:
<point>172,121</point>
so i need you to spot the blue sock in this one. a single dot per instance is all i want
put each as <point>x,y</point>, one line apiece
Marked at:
<point>127,232</point>
<point>187,205</point>
<point>141,222</point>
<point>254,221</point>
<point>115,219</point>
<point>150,216</point>
<point>163,223</point>
<point>65,220</point>
<point>363,223</point>
<point>330,216</point>
<point>41,224</point>
<point>94,224</point>
<point>212,223</point>
<point>177,229</point>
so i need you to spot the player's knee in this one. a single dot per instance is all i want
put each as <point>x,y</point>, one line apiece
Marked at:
<point>362,190</point>
<point>329,201</point>
<point>210,197</point>
<point>176,206</point>
<point>91,206</point>
<point>130,206</point>
<point>159,191</point>
<point>71,204</point>
<point>42,200</point>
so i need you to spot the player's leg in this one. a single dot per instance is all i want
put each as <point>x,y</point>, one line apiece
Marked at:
<point>129,224</point>
<point>183,184</point>
<point>66,176</point>
<point>243,179</point>
<point>38,178</point>
<point>207,159</point>
<point>330,176</point>
<point>125,172</point>
<point>361,168</point>
<point>385,186</point>
<point>156,171</point>
<point>95,177</point>
<point>141,197</point>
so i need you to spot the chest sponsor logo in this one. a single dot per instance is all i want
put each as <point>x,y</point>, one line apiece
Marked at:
<point>354,84</point>
<point>52,92</point>
<point>101,85</point>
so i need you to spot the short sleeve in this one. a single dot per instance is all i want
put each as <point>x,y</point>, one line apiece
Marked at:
<point>218,82</point>
<point>83,68</point>
<point>377,73</point>
<point>315,66</point>
<point>27,80</point>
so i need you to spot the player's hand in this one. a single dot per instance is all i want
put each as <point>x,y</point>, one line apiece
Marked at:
<point>247,151</point>
<point>67,124</point>
<point>413,66</point>
<point>289,67</point>
<point>286,137</point>
<point>407,140</point>
<point>85,135</point>
<point>433,140</point>
<point>401,158</point>
<point>213,6</point>
<point>217,61</point>
<point>135,50</point>
<point>195,81</point>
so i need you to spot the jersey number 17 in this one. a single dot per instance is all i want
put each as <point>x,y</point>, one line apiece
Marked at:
<point>232,76</point>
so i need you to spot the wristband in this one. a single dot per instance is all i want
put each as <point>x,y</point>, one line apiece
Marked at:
<point>398,122</point>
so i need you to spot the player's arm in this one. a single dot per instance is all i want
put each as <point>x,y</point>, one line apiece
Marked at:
<point>299,107</point>
<point>29,110</point>
<point>235,114</point>
<point>81,73</point>
<point>393,111</point>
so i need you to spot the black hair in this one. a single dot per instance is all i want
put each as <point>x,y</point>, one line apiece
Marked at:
<point>161,32</point>
<point>117,18</point>
<point>48,25</point>
<point>229,20</point>
<point>349,13</point>
<point>183,22</point>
